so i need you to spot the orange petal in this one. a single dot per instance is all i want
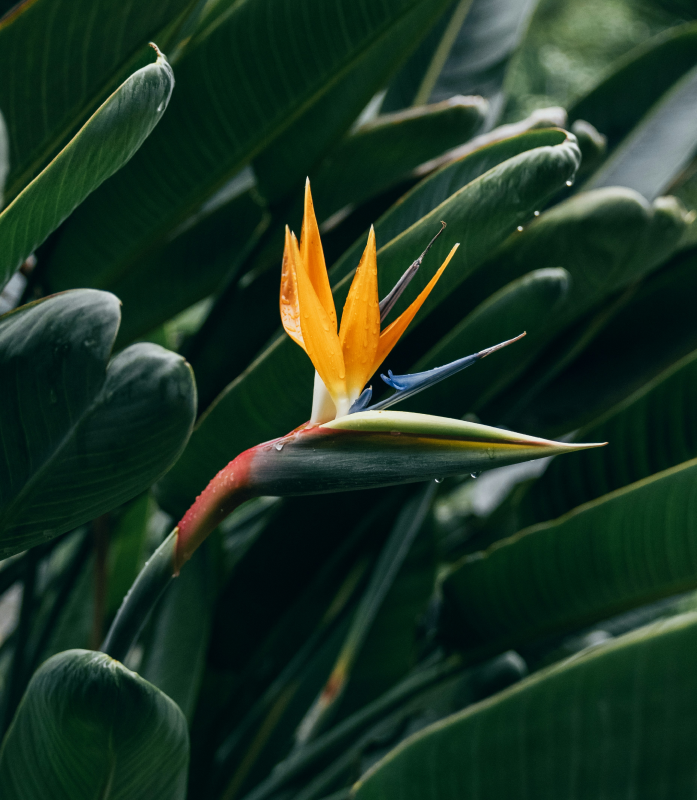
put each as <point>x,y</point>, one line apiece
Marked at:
<point>319,331</point>
<point>313,256</point>
<point>360,321</point>
<point>390,336</point>
<point>290,307</point>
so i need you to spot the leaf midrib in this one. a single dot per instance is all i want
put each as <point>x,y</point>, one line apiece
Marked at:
<point>260,144</point>
<point>7,516</point>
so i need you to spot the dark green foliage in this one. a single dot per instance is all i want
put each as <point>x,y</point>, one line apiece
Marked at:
<point>355,644</point>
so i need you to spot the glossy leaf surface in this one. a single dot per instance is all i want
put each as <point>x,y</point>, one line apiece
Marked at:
<point>625,549</point>
<point>598,725</point>
<point>102,146</point>
<point>81,434</point>
<point>216,122</point>
<point>54,92</point>
<point>88,727</point>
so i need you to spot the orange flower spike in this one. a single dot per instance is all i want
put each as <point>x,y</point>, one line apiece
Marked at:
<point>360,321</point>
<point>290,307</point>
<point>320,338</point>
<point>392,333</point>
<point>312,256</point>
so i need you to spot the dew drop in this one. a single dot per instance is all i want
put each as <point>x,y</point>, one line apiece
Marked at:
<point>267,448</point>
<point>279,446</point>
<point>569,183</point>
<point>440,480</point>
<point>536,213</point>
<point>475,475</point>
<point>160,107</point>
<point>519,228</point>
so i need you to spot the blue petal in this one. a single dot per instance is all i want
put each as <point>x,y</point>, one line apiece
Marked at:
<point>361,402</point>
<point>408,385</point>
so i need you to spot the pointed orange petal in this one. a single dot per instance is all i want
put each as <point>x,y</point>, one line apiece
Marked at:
<point>390,336</point>
<point>290,307</point>
<point>313,256</point>
<point>319,332</point>
<point>360,321</point>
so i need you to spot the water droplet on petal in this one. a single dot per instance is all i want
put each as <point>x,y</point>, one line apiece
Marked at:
<point>536,213</point>
<point>279,446</point>
<point>475,475</point>
<point>569,183</point>
<point>519,228</point>
<point>440,480</point>
<point>267,448</point>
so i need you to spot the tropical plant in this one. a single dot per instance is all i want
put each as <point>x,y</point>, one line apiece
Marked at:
<point>231,569</point>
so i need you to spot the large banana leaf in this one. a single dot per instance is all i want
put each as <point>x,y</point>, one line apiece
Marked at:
<point>459,57</point>
<point>103,145</point>
<point>617,721</point>
<point>625,354</point>
<point>659,147</point>
<point>48,93</point>
<point>385,150</point>
<point>623,550</point>
<point>81,434</point>
<point>234,98</point>
<point>478,215</point>
<point>651,431</point>
<point>88,727</point>
<point>638,80</point>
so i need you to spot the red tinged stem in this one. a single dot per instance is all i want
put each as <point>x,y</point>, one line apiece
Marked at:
<point>226,491</point>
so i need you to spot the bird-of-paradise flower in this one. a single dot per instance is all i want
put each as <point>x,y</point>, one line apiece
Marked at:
<point>346,358</point>
<point>348,443</point>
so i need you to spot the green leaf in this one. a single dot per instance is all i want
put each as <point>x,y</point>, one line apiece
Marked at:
<point>208,250</point>
<point>606,239</point>
<point>659,147</point>
<point>217,123</point>
<point>467,53</point>
<point>638,81</point>
<point>103,145</point>
<point>625,354</point>
<point>81,435</point>
<point>88,727</point>
<point>623,550</point>
<point>175,653</point>
<point>58,88</point>
<point>284,166</point>
<point>526,304</point>
<point>478,215</point>
<point>382,152</point>
<point>650,431</point>
<point>346,677</point>
<point>602,724</point>
<point>4,157</point>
